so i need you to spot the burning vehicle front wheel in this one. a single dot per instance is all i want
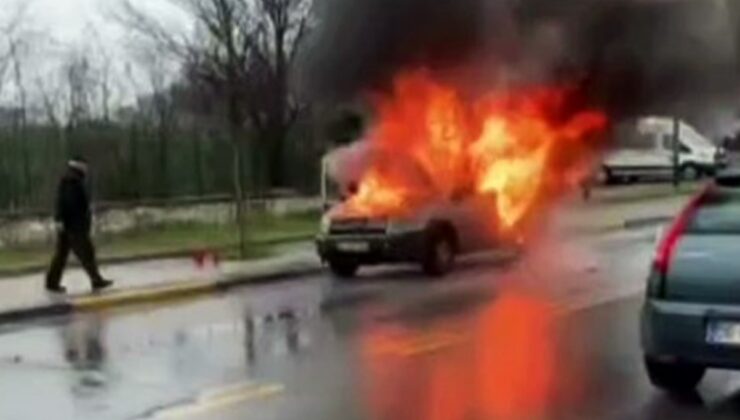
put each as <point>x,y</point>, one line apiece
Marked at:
<point>691,172</point>
<point>344,269</point>
<point>674,377</point>
<point>440,255</point>
<point>605,176</point>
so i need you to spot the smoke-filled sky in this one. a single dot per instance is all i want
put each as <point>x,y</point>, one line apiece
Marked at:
<point>630,56</point>
<point>69,21</point>
<point>54,29</point>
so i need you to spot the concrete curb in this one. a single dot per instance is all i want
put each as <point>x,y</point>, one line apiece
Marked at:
<point>620,225</point>
<point>645,197</point>
<point>144,295</point>
<point>646,222</point>
<point>25,314</point>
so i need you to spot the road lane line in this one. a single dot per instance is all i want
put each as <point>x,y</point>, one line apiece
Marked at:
<point>220,399</point>
<point>431,346</point>
<point>176,291</point>
<point>417,345</point>
<point>227,390</point>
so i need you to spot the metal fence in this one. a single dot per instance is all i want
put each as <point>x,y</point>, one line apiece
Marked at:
<point>134,164</point>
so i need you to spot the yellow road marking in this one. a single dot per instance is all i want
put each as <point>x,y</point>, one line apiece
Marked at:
<point>154,293</point>
<point>220,399</point>
<point>430,346</point>
<point>418,345</point>
<point>237,388</point>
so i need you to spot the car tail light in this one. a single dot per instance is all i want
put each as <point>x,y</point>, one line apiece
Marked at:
<point>668,244</point>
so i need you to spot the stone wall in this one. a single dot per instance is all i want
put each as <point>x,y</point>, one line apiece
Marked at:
<point>18,231</point>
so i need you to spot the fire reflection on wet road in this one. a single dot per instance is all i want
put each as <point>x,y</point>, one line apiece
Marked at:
<point>483,344</point>
<point>500,363</point>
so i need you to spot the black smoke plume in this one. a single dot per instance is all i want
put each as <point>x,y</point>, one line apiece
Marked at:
<point>631,57</point>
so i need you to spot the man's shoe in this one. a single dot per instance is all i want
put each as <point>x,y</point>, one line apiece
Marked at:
<point>56,289</point>
<point>102,284</point>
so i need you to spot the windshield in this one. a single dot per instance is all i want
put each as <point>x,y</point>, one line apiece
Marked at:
<point>720,214</point>
<point>692,138</point>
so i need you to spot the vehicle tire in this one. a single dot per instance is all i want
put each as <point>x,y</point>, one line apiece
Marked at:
<point>690,172</point>
<point>344,269</point>
<point>439,256</point>
<point>606,177</point>
<point>674,377</point>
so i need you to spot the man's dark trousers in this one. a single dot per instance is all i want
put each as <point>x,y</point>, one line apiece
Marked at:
<point>80,243</point>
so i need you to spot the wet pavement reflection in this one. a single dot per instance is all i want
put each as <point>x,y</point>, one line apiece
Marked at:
<point>83,342</point>
<point>498,363</point>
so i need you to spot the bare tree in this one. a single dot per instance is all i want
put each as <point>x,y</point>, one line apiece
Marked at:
<point>20,42</point>
<point>104,74</point>
<point>105,88</point>
<point>159,105</point>
<point>222,66</point>
<point>5,61</point>
<point>10,29</point>
<point>248,53</point>
<point>18,50</point>
<point>281,27</point>
<point>243,51</point>
<point>50,94</point>
<point>79,83</point>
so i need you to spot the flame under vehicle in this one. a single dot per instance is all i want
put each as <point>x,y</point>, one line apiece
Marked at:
<point>432,235</point>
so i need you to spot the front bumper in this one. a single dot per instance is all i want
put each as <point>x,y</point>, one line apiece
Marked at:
<point>381,248</point>
<point>677,332</point>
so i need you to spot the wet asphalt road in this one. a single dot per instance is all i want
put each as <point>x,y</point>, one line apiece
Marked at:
<point>551,335</point>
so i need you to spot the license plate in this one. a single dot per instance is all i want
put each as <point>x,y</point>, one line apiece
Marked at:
<point>353,247</point>
<point>723,332</point>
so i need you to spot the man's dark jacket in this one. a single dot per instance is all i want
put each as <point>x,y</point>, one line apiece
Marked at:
<point>73,203</point>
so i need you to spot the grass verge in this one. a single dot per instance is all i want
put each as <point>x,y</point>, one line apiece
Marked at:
<point>264,233</point>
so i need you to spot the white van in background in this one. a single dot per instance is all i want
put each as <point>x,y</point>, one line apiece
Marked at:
<point>644,149</point>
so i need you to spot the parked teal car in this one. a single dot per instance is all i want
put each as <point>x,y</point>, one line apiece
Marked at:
<point>691,316</point>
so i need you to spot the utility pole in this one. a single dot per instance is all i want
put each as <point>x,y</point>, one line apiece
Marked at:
<point>676,152</point>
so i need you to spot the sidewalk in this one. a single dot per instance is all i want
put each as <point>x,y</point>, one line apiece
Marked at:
<point>24,297</point>
<point>613,208</point>
<point>594,217</point>
<point>616,194</point>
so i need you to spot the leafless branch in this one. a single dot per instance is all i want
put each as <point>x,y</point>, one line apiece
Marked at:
<point>9,30</point>
<point>50,98</point>
<point>148,27</point>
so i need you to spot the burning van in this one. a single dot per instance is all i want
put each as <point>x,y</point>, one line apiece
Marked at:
<point>441,173</point>
<point>431,233</point>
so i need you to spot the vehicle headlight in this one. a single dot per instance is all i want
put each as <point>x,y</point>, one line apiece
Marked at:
<point>325,225</point>
<point>404,226</point>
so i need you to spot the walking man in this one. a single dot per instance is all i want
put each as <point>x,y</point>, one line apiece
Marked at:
<point>74,220</point>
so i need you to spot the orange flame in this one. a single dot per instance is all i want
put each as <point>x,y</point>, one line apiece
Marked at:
<point>376,194</point>
<point>514,145</point>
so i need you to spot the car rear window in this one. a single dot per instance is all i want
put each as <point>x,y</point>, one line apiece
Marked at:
<point>719,214</point>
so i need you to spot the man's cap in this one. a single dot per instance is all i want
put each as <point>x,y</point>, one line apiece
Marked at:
<point>78,162</point>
